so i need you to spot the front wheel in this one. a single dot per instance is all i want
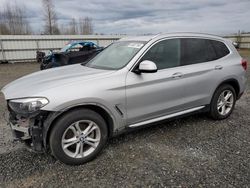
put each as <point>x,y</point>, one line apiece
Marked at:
<point>223,102</point>
<point>78,137</point>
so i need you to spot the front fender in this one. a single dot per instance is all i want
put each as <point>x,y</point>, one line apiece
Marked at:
<point>118,122</point>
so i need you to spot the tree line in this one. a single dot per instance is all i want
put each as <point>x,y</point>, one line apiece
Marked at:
<point>14,21</point>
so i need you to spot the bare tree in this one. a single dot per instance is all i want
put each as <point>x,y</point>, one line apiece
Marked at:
<point>63,29</point>
<point>13,20</point>
<point>69,29</point>
<point>50,18</point>
<point>85,26</point>
<point>3,29</point>
<point>73,29</point>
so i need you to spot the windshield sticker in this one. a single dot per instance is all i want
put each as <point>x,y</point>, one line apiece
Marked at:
<point>135,45</point>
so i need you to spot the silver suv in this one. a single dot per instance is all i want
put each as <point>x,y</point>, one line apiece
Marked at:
<point>72,111</point>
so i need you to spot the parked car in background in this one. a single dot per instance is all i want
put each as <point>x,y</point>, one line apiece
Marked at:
<point>72,53</point>
<point>72,111</point>
<point>236,45</point>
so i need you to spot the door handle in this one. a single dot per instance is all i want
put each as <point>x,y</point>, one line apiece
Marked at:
<point>218,67</point>
<point>177,75</point>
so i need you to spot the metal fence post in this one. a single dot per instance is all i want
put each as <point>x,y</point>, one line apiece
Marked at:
<point>2,50</point>
<point>37,45</point>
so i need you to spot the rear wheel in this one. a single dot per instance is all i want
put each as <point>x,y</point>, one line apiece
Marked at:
<point>78,137</point>
<point>223,102</point>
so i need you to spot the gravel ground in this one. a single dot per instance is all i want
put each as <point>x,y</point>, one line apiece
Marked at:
<point>193,151</point>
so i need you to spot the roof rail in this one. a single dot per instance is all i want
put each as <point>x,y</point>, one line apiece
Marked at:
<point>156,36</point>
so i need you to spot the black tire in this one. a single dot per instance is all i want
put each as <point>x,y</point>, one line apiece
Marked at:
<point>42,67</point>
<point>214,112</point>
<point>66,121</point>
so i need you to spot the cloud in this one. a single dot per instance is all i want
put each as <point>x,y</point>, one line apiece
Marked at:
<point>147,16</point>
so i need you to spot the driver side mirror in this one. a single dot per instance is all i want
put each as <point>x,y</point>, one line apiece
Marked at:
<point>147,66</point>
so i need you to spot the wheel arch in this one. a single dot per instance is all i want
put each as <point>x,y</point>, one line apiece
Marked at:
<point>233,82</point>
<point>53,117</point>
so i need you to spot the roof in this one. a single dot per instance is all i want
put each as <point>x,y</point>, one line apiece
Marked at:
<point>147,38</point>
<point>138,38</point>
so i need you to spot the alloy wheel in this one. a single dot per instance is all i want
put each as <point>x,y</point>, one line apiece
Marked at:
<point>225,102</point>
<point>81,139</point>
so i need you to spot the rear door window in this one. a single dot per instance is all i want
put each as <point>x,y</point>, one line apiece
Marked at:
<point>195,50</point>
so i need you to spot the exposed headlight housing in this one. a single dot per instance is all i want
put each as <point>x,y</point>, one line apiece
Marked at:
<point>27,105</point>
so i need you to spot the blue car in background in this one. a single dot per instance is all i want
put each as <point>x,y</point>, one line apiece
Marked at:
<point>72,53</point>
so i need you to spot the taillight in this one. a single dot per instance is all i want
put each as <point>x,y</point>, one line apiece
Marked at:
<point>244,64</point>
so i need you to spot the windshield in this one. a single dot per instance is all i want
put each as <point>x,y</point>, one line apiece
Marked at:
<point>65,48</point>
<point>116,56</point>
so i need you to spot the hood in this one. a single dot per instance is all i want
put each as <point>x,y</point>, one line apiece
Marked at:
<point>33,84</point>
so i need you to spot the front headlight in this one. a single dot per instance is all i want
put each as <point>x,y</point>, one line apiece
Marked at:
<point>27,105</point>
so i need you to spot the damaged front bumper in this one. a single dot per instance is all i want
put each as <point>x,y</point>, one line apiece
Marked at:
<point>19,132</point>
<point>28,129</point>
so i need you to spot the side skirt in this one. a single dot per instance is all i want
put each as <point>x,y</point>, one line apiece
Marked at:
<point>166,117</point>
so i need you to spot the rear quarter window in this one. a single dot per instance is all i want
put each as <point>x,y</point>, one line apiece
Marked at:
<point>220,49</point>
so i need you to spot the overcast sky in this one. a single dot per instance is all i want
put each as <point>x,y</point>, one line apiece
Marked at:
<point>148,16</point>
